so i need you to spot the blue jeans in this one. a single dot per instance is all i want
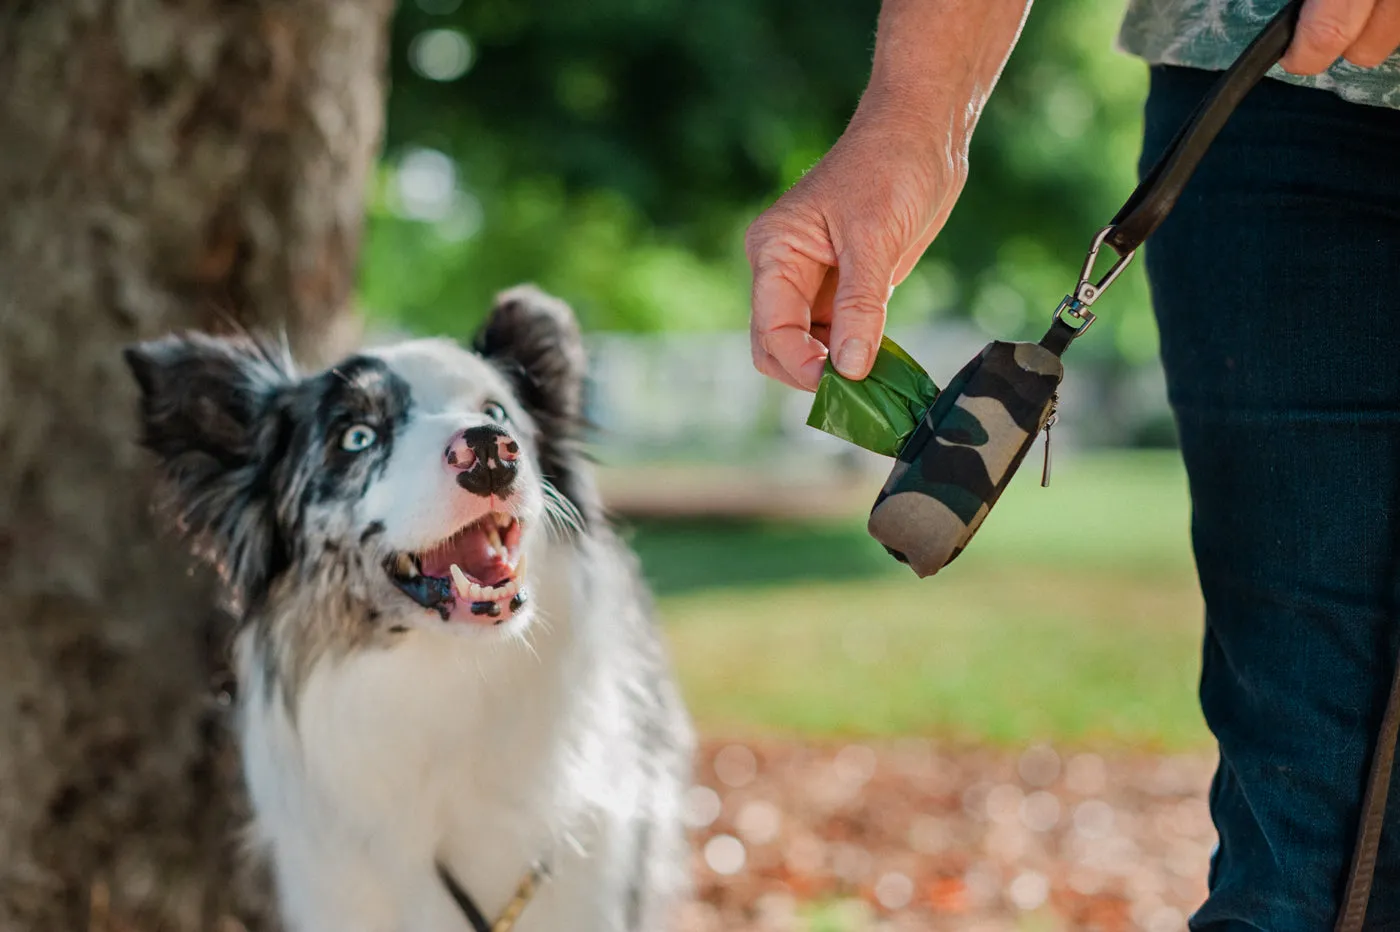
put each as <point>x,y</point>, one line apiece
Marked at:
<point>1276,283</point>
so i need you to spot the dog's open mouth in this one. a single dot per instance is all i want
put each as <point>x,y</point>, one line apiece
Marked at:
<point>477,574</point>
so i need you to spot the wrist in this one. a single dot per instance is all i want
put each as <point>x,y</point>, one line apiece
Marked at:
<point>929,126</point>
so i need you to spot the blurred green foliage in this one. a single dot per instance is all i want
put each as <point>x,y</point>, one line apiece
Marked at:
<point>615,151</point>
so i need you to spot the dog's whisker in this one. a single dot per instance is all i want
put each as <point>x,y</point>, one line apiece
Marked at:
<point>527,638</point>
<point>568,510</point>
<point>562,515</point>
<point>543,627</point>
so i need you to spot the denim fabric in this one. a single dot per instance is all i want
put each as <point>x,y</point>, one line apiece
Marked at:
<point>1276,282</point>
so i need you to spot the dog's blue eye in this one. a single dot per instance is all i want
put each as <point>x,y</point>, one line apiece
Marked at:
<point>494,411</point>
<point>358,438</point>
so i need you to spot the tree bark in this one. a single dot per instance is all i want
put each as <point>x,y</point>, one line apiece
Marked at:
<point>164,164</point>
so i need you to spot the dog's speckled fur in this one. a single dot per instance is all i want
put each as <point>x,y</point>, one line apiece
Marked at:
<point>377,738</point>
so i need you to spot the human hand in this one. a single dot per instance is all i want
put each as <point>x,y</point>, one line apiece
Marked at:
<point>827,254</point>
<point>1364,32</point>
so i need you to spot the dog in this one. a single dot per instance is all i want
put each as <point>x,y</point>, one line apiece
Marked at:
<point>454,711</point>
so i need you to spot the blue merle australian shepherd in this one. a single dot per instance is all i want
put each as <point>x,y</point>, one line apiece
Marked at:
<point>454,711</point>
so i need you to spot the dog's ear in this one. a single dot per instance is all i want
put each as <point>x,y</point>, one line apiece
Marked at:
<point>208,412</point>
<point>534,339</point>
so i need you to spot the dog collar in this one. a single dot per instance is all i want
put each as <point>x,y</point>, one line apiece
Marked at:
<point>510,915</point>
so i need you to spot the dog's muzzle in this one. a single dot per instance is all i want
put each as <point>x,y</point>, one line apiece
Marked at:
<point>484,459</point>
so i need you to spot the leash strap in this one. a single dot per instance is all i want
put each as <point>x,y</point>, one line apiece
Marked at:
<point>1139,217</point>
<point>464,900</point>
<point>505,922</point>
<point>1368,833</point>
<point>1159,190</point>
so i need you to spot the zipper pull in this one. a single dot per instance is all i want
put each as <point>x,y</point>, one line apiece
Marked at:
<point>1049,423</point>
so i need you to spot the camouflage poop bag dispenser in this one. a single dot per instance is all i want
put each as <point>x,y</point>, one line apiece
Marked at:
<point>956,450</point>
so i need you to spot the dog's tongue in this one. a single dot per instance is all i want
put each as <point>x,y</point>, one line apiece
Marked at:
<point>473,551</point>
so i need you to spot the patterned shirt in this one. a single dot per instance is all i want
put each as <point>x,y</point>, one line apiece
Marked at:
<point>1209,34</point>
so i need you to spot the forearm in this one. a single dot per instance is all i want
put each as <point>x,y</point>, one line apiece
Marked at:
<point>938,60</point>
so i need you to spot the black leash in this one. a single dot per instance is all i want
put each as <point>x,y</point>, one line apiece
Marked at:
<point>1144,211</point>
<point>1368,833</point>
<point>463,900</point>
<point>1158,192</point>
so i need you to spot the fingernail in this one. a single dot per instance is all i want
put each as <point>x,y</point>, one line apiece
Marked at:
<point>852,357</point>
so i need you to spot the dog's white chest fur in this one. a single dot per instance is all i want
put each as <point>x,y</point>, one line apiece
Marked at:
<point>482,755</point>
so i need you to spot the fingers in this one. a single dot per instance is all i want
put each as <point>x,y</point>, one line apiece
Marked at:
<point>824,258</point>
<point>768,366</point>
<point>858,310</point>
<point>822,306</point>
<point>1326,30</point>
<point>785,285</point>
<point>796,355</point>
<point>1380,38</point>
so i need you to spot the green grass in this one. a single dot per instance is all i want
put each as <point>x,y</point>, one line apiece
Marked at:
<point>1073,617</point>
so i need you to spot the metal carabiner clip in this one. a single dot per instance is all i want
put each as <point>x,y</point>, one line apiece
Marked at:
<point>1087,291</point>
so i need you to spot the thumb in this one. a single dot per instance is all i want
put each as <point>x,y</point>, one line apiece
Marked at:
<point>858,311</point>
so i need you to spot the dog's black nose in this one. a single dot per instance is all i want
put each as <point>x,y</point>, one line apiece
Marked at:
<point>484,459</point>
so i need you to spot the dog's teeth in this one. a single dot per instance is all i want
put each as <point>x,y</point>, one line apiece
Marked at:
<point>493,537</point>
<point>519,569</point>
<point>405,566</point>
<point>463,584</point>
<point>503,521</point>
<point>478,592</point>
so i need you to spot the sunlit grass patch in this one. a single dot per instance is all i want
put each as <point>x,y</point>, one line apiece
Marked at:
<point>984,656</point>
<point>1074,617</point>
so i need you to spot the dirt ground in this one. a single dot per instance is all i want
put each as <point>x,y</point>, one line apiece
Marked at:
<point>911,835</point>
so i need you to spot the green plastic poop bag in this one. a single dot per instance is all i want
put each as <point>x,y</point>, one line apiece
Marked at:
<point>879,412</point>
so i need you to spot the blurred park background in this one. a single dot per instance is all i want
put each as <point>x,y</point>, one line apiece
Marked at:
<point>1013,744</point>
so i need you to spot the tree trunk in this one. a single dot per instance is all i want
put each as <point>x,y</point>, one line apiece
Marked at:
<point>163,164</point>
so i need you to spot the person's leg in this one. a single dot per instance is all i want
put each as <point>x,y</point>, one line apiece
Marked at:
<point>1276,283</point>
